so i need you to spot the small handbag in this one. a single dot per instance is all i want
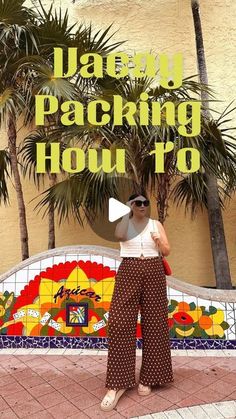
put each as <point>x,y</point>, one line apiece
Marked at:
<point>166,265</point>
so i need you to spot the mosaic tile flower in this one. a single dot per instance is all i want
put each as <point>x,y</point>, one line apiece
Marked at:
<point>72,299</point>
<point>188,320</point>
<point>40,310</point>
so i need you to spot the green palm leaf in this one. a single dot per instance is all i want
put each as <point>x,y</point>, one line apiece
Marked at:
<point>11,102</point>
<point>27,154</point>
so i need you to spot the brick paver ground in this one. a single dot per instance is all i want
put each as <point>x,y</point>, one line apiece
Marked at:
<point>42,386</point>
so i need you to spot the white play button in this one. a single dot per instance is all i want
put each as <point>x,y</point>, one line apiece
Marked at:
<point>105,220</point>
<point>116,210</point>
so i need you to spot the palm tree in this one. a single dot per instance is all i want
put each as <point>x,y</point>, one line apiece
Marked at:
<point>217,236</point>
<point>28,158</point>
<point>16,40</point>
<point>53,29</point>
<point>89,191</point>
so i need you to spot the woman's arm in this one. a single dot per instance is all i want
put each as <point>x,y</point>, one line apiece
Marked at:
<point>122,228</point>
<point>162,241</point>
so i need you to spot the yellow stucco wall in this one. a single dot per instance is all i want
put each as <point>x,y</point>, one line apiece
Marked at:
<point>163,26</point>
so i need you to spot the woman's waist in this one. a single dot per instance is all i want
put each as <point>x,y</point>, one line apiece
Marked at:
<point>132,245</point>
<point>142,257</point>
<point>138,250</point>
<point>140,253</point>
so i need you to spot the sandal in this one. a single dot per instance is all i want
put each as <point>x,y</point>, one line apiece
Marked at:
<point>108,403</point>
<point>144,390</point>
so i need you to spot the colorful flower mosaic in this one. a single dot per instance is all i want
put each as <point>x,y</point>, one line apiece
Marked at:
<point>73,299</point>
<point>41,308</point>
<point>189,320</point>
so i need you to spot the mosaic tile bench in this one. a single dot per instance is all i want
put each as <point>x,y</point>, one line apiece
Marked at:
<point>61,298</point>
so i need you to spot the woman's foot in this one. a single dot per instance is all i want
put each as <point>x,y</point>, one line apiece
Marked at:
<point>144,390</point>
<point>111,398</point>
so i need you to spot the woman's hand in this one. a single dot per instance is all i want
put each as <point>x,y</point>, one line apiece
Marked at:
<point>129,204</point>
<point>161,240</point>
<point>122,226</point>
<point>155,236</point>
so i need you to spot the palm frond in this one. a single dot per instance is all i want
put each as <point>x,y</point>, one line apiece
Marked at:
<point>11,101</point>
<point>191,193</point>
<point>27,154</point>
<point>17,28</point>
<point>53,29</point>
<point>98,42</point>
<point>83,195</point>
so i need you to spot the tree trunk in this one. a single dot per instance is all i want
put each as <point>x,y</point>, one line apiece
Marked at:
<point>163,195</point>
<point>51,217</point>
<point>18,186</point>
<point>163,188</point>
<point>216,226</point>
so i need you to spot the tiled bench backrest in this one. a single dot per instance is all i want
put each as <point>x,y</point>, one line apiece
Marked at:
<point>36,308</point>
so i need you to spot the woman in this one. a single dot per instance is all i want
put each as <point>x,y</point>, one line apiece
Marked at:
<point>140,283</point>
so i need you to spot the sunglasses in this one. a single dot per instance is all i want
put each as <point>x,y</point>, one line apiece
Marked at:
<point>139,203</point>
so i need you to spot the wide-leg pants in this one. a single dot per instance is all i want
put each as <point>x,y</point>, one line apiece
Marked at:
<point>139,284</point>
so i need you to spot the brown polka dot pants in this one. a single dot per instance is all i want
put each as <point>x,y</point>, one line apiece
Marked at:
<point>139,284</point>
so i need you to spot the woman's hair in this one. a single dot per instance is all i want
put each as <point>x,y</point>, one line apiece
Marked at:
<point>133,196</point>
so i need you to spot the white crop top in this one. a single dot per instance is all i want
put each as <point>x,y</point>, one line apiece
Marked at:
<point>140,244</point>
